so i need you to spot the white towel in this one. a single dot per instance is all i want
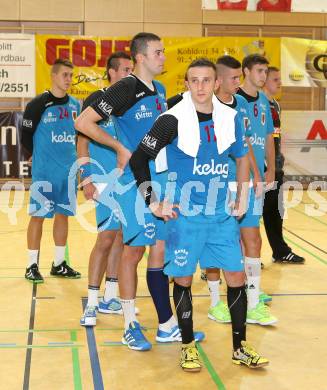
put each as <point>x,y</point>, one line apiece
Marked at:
<point>188,125</point>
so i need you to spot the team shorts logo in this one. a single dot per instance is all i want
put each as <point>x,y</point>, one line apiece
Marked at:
<point>143,113</point>
<point>263,118</point>
<point>105,107</point>
<point>210,169</point>
<point>64,137</point>
<point>150,230</point>
<point>28,123</point>
<point>149,141</point>
<point>180,257</point>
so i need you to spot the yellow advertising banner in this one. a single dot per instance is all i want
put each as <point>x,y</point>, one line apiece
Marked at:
<point>89,55</point>
<point>303,62</point>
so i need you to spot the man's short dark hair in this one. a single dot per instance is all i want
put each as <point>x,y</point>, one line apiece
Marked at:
<point>61,62</point>
<point>273,69</point>
<point>229,62</point>
<point>253,59</point>
<point>139,43</point>
<point>113,61</point>
<point>201,63</point>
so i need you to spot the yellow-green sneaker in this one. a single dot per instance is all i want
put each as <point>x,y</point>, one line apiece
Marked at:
<point>260,315</point>
<point>219,313</point>
<point>249,356</point>
<point>190,360</point>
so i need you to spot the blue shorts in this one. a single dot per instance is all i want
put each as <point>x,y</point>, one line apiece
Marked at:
<point>139,226</point>
<point>106,214</point>
<point>50,197</point>
<point>214,243</point>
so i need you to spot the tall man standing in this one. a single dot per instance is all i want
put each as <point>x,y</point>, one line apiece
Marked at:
<point>254,68</point>
<point>272,211</point>
<point>97,161</point>
<point>49,136</point>
<point>135,102</point>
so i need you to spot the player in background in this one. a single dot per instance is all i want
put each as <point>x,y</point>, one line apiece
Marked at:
<point>97,161</point>
<point>254,68</point>
<point>273,205</point>
<point>48,134</point>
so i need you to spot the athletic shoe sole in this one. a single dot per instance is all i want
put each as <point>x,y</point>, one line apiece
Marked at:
<point>35,281</point>
<point>211,317</point>
<point>261,323</point>
<point>119,312</point>
<point>192,369</point>
<point>239,363</point>
<point>66,277</point>
<point>89,322</point>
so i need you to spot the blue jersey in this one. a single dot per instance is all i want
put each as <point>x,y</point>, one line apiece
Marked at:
<point>49,134</point>
<point>135,108</point>
<point>240,105</point>
<point>198,184</point>
<point>261,125</point>
<point>103,158</point>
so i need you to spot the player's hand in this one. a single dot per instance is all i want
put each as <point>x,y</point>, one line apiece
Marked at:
<point>123,156</point>
<point>89,189</point>
<point>164,210</point>
<point>237,209</point>
<point>270,179</point>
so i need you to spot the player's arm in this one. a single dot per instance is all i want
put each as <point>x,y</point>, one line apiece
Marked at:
<point>161,134</point>
<point>83,155</point>
<point>31,118</point>
<point>111,102</point>
<point>270,150</point>
<point>240,151</point>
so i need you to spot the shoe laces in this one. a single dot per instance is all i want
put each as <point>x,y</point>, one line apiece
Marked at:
<point>262,308</point>
<point>137,333</point>
<point>90,310</point>
<point>248,350</point>
<point>191,353</point>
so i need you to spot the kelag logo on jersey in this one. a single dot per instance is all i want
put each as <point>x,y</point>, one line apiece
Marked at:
<point>210,169</point>
<point>143,113</point>
<point>64,137</point>
<point>259,141</point>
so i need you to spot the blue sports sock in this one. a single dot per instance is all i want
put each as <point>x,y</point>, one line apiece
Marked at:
<point>158,285</point>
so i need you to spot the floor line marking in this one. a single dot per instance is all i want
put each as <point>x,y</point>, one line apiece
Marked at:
<point>28,358</point>
<point>214,375</point>
<point>76,365</point>
<point>93,354</point>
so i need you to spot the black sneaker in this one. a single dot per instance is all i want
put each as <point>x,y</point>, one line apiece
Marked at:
<point>33,274</point>
<point>290,258</point>
<point>64,270</point>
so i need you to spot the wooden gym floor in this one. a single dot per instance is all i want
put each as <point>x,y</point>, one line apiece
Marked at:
<point>42,345</point>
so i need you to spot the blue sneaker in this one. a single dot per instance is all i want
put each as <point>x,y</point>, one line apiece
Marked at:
<point>175,335</point>
<point>134,338</point>
<point>89,317</point>
<point>113,306</point>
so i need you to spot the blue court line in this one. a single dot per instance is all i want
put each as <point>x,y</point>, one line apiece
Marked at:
<point>28,358</point>
<point>94,357</point>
